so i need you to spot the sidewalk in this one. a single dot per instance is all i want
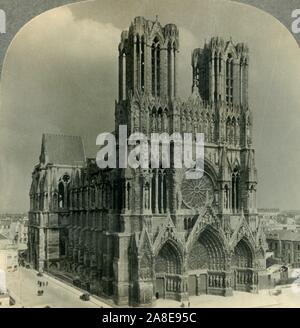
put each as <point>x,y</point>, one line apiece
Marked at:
<point>238,300</point>
<point>77,291</point>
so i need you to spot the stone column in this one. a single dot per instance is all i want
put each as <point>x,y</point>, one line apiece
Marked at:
<point>217,74</point>
<point>171,68</point>
<point>139,64</point>
<point>233,196</point>
<point>222,79</point>
<point>150,193</point>
<point>121,81</point>
<point>163,72</point>
<point>148,68</point>
<point>161,191</point>
<point>280,248</point>
<point>155,72</point>
<point>42,254</point>
<point>241,84</point>
<point>211,79</point>
<point>156,191</point>
<point>175,72</point>
<point>125,205</point>
<point>167,196</point>
<point>245,83</point>
<point>134,65</point>
<point>120,279</point>
<point>228,279</point>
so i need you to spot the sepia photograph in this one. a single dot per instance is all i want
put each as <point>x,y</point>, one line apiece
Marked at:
<point>149,155</point>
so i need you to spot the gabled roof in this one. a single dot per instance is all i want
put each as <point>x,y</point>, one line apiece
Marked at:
<point>63,150</point>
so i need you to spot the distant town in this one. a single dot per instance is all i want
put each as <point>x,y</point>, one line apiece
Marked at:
<point>13,247</point>
<point>20,284</point>
<point>282,230</point>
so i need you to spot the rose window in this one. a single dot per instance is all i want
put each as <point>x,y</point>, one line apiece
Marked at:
<point>197,193</point>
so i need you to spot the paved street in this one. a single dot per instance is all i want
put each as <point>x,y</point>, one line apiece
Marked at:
<point>23,287</point>
<point>289,297</point>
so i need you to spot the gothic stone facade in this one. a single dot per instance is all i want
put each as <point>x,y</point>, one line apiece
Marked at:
<point>136,235</point>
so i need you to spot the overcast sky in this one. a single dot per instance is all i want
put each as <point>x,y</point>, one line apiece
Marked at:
<point>60,76</point>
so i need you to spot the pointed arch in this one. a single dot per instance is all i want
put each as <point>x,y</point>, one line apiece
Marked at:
<point>208,251</point>
<point>145,253</point>
<point>155,65</point>
<point>145,267</point>
<point>229,78</point>
<point>40,184</point>
<point>235,189</point>
<point>233,127</point>
<point>169,258</point>
<point>153,123</point>
<point>243,254</point>
<point>230,49</point>
<point>61,195</point>
<point>228,129</point>
<point>212,127</point>
<point>210,171</point>
<point>208,128</point>
<point>226,197</point>
<point>156,37</point>
<point>159,119</point>
<point>77,179</point>
<point>184,121</point>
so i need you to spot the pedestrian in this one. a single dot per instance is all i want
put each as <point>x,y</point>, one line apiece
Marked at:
<point>189,304</point>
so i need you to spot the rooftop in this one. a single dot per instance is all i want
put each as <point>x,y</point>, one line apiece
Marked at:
<point>290,235</point>
<point>62,149</point>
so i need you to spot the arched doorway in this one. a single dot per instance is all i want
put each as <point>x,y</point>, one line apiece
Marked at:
<point>206,264</point>
<point>242,263</point>
<point>168,271</point>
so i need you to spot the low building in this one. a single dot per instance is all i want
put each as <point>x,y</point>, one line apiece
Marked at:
<point>4,297</point>
<point>286,246</point>
<point>277,274</point>
<point>14,227</point>
<point>269,216</point>
<point>5,224</point>
<point>280,226</point>
<point>3,288</point>
<point>8,255</point>
<point>269,212</point>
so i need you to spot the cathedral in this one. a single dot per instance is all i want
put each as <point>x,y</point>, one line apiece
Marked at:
<point>136,235</point>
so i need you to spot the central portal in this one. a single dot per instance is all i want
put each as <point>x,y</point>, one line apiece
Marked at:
<point>197,284</point>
